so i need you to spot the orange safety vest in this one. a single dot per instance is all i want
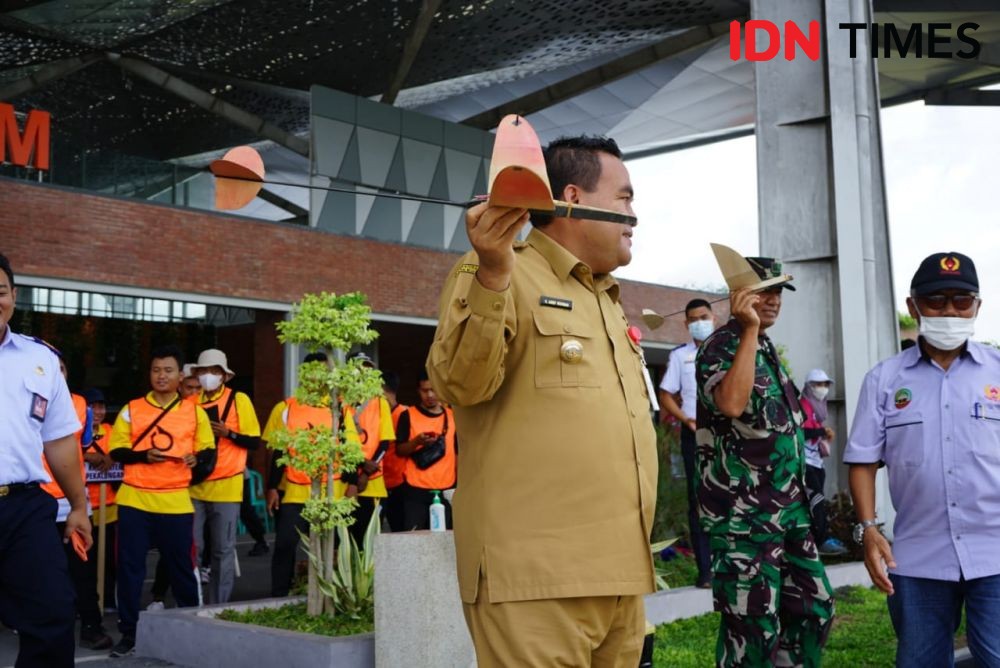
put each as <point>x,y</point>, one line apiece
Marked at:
<point>53,488</point>
<point>301,416</point>
<point>173,435</point>
<point>369,425</point>
<point>441,474</point>
<point>102,438</point>
<point>232,459</point>
<point>393,465</point>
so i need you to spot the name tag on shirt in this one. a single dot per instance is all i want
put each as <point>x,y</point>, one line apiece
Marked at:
<point>39,406</point>
<point>556,302</point>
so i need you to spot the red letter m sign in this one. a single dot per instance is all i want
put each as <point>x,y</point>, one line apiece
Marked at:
<point>21,146</point>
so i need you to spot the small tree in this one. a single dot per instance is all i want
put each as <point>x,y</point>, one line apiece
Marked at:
<point>332,324</point>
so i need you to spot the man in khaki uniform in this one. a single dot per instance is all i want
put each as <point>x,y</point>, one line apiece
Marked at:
<point>557,466</point>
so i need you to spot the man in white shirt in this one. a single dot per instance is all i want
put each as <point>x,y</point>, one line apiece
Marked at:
<point>678,397</point>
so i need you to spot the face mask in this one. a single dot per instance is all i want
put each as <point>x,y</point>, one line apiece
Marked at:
<point>947,333</point>
<point>701,329</point>
<point>210,382</point>
<point>820,392</point>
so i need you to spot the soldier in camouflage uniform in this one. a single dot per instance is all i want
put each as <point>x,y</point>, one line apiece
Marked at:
<point>768,582</point>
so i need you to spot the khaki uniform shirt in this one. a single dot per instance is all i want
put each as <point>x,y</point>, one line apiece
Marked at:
<point>557,468</point>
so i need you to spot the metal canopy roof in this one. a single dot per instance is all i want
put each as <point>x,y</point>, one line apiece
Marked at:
<point>655,74</point>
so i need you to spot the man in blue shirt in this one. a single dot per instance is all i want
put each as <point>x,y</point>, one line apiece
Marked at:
<point>36,415</point>
<point>931,415</point>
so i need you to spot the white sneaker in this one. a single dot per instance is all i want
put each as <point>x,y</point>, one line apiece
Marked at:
<point>156,605</point>
<point>205,573</point>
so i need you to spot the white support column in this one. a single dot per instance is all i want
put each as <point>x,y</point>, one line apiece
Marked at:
<point>822,206</point>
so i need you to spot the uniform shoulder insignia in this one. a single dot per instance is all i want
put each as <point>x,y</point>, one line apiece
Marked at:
<point>467,268</point>
<point>45,343</point>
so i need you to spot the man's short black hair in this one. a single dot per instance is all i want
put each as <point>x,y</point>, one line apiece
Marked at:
<point>422,376</point>
<point>315,357</point>
<point>169,350</point>
<point>574,161</point>
<point>390,381</point>
<point>5,265</point>
<point>697,302</point>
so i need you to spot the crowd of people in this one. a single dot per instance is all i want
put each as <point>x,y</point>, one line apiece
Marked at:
<point>534,363</point>
<point>170,473</point>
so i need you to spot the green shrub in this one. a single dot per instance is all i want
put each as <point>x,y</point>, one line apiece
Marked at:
<point>294,618</point>
<point>670,518</point>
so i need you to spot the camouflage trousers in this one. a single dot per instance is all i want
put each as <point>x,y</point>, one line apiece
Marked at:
<point>775,599</point>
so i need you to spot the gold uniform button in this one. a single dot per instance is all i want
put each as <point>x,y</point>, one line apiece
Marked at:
<point>497,306</point>
<point>566,328</point>
<point>571,352</point>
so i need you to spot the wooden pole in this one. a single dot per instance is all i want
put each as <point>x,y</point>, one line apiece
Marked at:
<point>102,542</point>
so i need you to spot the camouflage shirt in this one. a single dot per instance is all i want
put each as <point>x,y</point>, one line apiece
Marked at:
<point>752,467</point>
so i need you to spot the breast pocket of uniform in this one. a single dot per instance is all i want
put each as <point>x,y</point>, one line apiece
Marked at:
<point>986,432</point>
<point>564,349</point>
<point>904,439</point>
<point>36,401</point>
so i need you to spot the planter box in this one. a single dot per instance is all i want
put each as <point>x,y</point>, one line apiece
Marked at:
<point>195,637</point>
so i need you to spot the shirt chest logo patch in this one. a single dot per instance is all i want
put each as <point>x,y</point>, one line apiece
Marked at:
<point>992,393</point>
<point>903,398</point>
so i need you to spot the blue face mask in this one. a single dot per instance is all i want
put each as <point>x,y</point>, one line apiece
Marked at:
<point>701,329</point>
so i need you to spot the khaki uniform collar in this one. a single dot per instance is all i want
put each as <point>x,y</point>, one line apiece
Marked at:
<point>564,264</point>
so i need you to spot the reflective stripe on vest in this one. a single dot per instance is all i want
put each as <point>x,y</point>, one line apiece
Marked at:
<point>102,439</point>
<point>441,474</point>
<point>52,487</point>
<point>232,459</point>
<point>173,435</point>
<point>392,464</point>
<point>301,416</point>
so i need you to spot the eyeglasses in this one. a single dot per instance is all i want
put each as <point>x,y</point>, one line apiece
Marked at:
<point>961,302</point>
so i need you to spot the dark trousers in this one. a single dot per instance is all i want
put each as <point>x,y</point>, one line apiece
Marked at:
<point>362,516</point>
<point>416,504</point>
<point>36,593</point>
<point>249,517</point>
<point>699,539</point>
<point>173,536</point>
<point>286,542</point>
<point>84,577</point>
<point>815,479</point>
<point>392,508</point>
<point>161,580</point>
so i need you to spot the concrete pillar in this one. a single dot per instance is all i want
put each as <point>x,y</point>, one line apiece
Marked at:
<point>822,206</point>
<point>418,612</point>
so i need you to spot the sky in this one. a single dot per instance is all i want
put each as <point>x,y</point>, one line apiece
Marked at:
<point>941,185</point>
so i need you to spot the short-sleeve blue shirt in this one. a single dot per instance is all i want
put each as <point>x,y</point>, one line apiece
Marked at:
<point>938,433</point>
<point>35,407</point>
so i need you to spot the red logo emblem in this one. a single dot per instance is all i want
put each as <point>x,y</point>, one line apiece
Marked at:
<point>950,265</point>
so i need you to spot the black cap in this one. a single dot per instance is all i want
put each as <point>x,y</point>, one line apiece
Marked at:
<point>93,396</point>
<point>941,271</point>
<point>768,267</point>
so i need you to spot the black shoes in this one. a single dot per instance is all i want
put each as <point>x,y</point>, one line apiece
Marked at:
<point>95,637</point>
<point>258,550</point>
<point>125,646</point>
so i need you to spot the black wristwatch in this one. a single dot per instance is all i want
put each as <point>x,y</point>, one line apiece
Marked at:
<point>861,527</point>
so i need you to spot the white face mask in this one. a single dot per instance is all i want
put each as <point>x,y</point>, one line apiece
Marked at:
<point>820,392</point>
<point>210,382</point>
<point>947,333</point>
<point>701,329</point>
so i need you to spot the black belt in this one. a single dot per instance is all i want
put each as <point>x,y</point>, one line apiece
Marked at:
<point>16,487</point>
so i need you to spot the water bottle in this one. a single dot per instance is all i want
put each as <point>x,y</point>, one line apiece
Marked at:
<point>437,513</point>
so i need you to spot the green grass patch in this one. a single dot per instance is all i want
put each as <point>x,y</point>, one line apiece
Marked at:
<point>681,571</point>
<point>862,635</point>
<point>294,618</point>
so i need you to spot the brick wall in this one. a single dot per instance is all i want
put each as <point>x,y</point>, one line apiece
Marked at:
<point>58,232</point>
